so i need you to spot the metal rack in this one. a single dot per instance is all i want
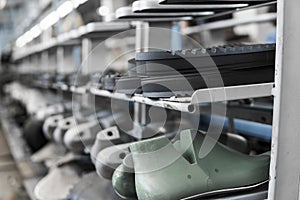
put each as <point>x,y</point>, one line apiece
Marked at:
<point>31,172</point>
<point>186,104</point>
<point>103,30</point>
<point>284,171</point>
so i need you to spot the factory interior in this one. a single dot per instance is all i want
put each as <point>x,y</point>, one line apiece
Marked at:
<point>149,100</point>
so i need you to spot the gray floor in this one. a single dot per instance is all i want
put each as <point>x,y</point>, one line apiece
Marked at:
<point>10,179</point>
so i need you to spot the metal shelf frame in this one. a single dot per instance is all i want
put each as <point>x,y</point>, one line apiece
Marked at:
<point>285,166</point>
<point>73,37</point>
<point>188,104</point>
<point>285,159</point>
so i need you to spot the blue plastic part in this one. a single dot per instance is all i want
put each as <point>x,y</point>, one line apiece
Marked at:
<point>254,129</point>
<point>271,37</point>
<point>176,37</point>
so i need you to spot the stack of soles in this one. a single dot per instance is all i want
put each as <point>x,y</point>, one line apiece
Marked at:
<point>179,73</point>
<point>249,2</point>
